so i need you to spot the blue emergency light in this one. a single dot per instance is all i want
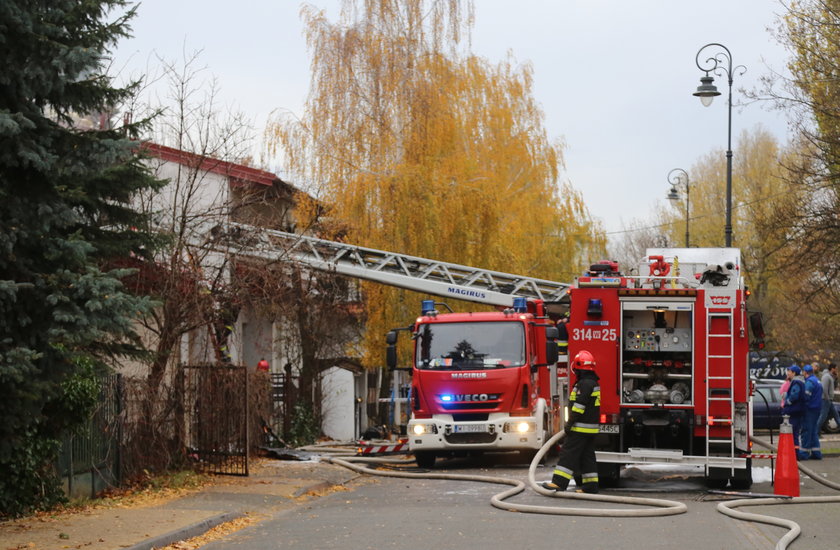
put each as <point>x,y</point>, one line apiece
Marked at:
<point>446,398</point>
<point>520,305</point>
<point>427,307</point>
<point>595,308</point>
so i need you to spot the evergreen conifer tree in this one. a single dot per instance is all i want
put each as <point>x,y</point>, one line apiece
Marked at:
<point>65,216</point>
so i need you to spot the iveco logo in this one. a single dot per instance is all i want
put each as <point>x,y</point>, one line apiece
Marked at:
<point>473,397</point>
<point>469,375</point>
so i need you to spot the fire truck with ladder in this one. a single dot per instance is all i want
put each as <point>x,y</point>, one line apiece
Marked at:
<point>670,339</point>
<point>480,381</point>
<point>671,343</point>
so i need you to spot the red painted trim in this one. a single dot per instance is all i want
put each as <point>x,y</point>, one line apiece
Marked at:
<point>238,172</point>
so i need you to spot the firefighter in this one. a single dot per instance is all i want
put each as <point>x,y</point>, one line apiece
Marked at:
<point>563,335</point>
<point>577,455</point>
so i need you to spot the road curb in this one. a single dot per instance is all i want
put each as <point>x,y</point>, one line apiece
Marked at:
<point>322,486</point>
<point>184,533</point>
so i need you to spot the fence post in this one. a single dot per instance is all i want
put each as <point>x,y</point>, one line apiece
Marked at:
<point>288,406</point>
<point>118,418</point>
<point>247,419</point>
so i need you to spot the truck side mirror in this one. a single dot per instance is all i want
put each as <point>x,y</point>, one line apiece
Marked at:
<point>391,350</point>
<point>551,352</point>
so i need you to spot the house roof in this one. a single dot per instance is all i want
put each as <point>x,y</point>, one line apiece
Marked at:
<point>238,172</point>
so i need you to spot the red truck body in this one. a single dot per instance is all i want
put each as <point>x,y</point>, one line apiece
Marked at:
<point>483,381</point>
<point>671,347</point>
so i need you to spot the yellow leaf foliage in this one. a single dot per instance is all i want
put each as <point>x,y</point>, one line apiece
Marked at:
<point>761,191</point>
<point>414,145</point>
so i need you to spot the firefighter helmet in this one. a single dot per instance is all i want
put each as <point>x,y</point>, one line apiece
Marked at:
<point>583,361</point>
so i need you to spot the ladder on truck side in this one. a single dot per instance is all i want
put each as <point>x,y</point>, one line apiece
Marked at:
<point>720,390</point>
<point>401,270</point>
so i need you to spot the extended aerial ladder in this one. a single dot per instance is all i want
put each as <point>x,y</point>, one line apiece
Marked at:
<point>400,270</point>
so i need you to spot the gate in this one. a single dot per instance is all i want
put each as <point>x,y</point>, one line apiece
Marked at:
<point>216,418</point>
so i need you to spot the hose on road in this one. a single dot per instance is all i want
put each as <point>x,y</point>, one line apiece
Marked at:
<point>651,507</point>
<point>729,508</point>
<point>654,507</point>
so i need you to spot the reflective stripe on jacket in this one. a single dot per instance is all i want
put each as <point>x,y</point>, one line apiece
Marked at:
<point>585,404</point>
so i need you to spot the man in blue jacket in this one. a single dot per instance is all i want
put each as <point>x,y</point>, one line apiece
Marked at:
<point>794,407</point>
<point>813,404</point>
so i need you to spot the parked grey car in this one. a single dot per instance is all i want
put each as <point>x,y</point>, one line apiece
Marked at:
<point>767,407</point>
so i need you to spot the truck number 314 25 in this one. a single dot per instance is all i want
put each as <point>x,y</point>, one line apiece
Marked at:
<point>605,334</point>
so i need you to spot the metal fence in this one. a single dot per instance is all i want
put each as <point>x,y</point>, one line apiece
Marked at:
<point>217,419</point>
<point>90,458</point>
<point>213,415</point>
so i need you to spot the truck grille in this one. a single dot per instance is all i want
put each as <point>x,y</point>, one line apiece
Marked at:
<point>470,417</point>
<point>470,438</point>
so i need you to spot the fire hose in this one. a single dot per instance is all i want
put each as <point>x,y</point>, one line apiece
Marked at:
<point>729,508</point>
<point>655,507</point>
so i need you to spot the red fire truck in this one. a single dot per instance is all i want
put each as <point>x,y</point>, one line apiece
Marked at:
<point>670,340</point>
<point>481,381</point>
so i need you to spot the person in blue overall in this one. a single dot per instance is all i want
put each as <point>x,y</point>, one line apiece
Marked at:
<point>794,407</point>
<point>813,405</point>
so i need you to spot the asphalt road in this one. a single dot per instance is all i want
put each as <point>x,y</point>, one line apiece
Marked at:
<point>424,514</point>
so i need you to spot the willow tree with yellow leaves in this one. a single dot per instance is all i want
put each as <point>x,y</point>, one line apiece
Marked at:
<point>413,144</point>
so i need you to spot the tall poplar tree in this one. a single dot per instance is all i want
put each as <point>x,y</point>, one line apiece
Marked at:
<point>415,145</point>
<point>64,214</point>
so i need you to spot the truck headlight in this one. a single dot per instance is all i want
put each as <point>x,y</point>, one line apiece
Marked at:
<point>420,429</point>
<point>520,427</point>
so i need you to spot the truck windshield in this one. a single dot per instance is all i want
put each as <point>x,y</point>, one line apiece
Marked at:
<point>470,346</point>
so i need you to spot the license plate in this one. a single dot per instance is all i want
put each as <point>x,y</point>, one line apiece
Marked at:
<point>608,428</point>
<point>469,428</point>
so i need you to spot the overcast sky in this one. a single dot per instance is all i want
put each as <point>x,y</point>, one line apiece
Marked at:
<point>614,77</point>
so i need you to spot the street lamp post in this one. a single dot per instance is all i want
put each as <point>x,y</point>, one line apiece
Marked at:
<point>707,91</point>
<point>675,178</point>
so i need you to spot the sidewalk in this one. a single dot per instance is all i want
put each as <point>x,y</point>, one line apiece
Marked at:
<point>273,485</point>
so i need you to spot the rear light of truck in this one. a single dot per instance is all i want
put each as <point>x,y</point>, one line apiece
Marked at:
<point>712,420</point>
<point>609,419</point>
<point>719,421</point>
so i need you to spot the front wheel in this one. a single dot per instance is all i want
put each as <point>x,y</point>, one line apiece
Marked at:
<point>831,426</point>
<point>425,459</point>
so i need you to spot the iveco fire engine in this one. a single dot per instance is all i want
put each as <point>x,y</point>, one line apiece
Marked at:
<point>481,381</point>
<point>670,340</point>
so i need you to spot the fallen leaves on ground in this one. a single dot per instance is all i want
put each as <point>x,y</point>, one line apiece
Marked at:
<point>216,533</point>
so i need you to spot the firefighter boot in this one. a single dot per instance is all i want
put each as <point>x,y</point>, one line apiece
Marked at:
<point>560,480</point>
<point>590,483</point>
